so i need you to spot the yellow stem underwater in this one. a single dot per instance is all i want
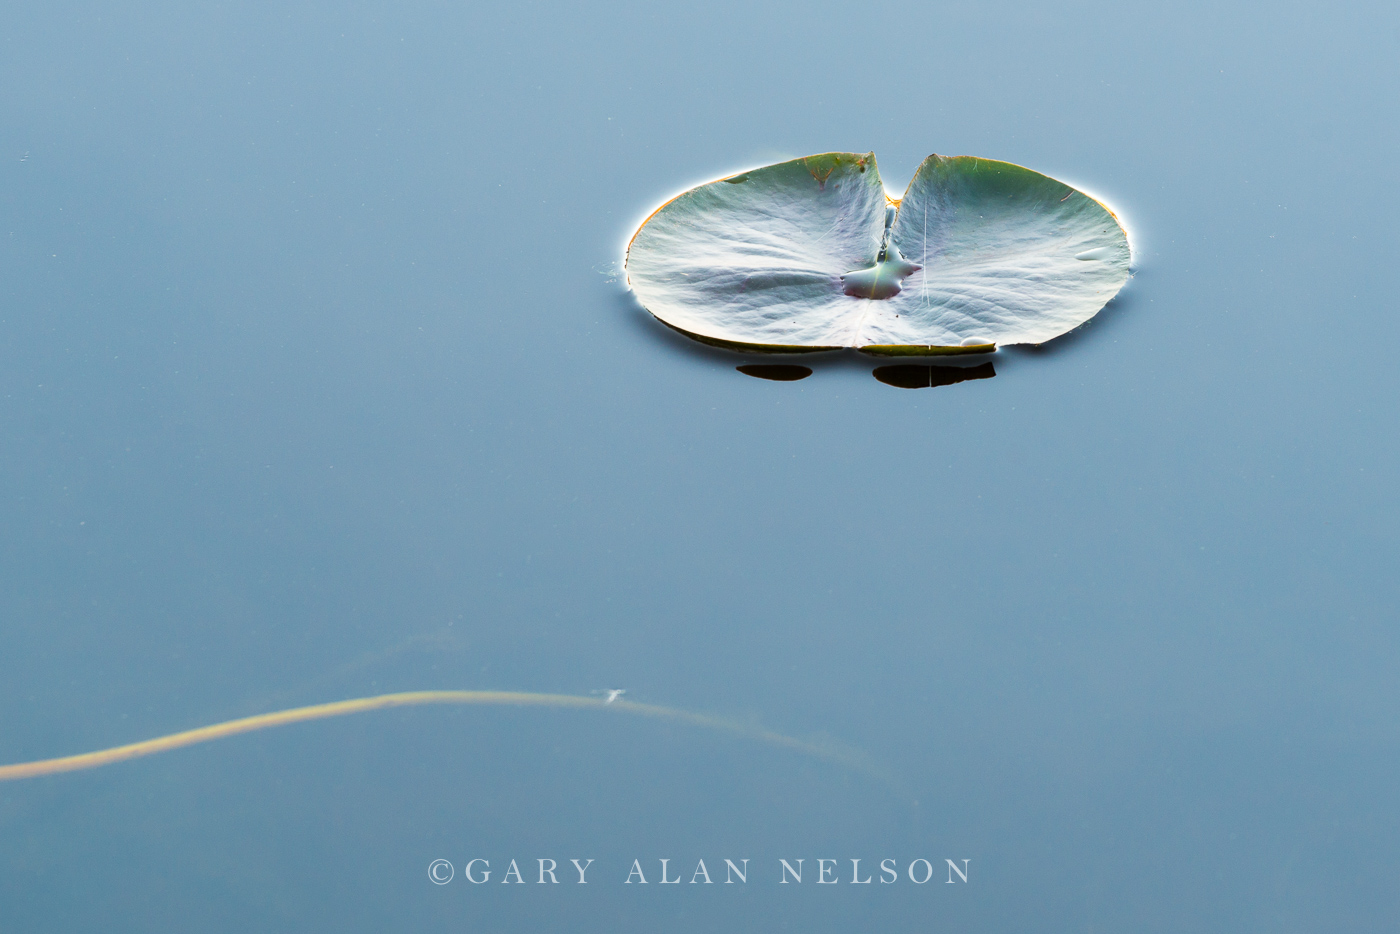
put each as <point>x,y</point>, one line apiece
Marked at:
<point>92,760</point>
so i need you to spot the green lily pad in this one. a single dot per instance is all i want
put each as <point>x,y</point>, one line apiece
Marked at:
<point>812,255</point>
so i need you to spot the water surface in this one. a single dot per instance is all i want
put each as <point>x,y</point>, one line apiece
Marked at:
<point>316,382</point>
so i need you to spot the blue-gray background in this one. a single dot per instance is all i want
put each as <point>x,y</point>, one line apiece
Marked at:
<point>313,385</point>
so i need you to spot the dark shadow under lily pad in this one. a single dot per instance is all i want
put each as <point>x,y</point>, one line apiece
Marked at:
<point>783,372</point>
<point>917,376</point>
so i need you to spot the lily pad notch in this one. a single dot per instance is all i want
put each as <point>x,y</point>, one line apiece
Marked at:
<point>812,255</point>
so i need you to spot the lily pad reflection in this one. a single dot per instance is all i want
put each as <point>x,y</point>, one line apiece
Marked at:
<point>782,372</point>
<point>918,376</point>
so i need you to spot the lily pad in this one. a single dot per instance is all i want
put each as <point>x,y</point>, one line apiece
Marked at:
<point>812,255</point>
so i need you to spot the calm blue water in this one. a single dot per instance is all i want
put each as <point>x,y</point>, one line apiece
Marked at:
<point>313,385</point>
